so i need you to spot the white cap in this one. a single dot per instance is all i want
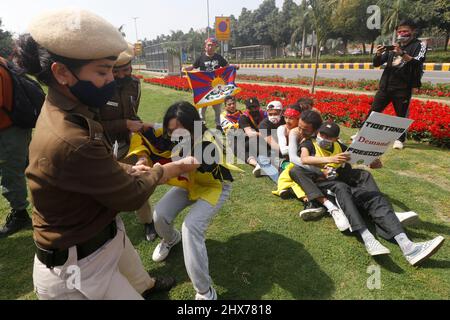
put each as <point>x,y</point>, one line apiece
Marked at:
<point>275,105</point>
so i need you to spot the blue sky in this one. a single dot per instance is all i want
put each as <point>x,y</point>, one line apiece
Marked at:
<point>155,16</point>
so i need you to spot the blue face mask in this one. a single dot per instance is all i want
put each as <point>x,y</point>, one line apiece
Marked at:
<point>324,143</point>
<point>90,95</point>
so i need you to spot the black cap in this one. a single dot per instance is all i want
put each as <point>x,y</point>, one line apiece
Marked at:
<point>331,129</point>
<point>252,102</point>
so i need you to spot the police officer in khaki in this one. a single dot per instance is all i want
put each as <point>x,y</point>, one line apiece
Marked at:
<point>119,119</point>
<point>78,188</point>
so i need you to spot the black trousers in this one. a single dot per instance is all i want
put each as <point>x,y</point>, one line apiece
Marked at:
<point>400,98</point>
<point>355,190</point>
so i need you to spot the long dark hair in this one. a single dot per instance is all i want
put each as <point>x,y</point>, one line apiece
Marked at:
<point>37,61</point>
<point>185,113</point>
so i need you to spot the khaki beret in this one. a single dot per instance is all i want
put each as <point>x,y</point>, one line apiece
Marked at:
<point>125,57</point>
<point>77,34</point>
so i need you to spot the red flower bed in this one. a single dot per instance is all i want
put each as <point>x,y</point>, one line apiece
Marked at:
<point>431,119</point>
<point>428,89</point>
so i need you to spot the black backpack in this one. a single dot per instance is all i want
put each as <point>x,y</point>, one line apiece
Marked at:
<point>28,98</point>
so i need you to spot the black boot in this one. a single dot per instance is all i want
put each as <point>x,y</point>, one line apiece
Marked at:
<point>150,232</point>
<point>162,284</point>
<point>15,221</point>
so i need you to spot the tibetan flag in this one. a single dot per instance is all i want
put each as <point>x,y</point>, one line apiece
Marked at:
<point>211,88</point>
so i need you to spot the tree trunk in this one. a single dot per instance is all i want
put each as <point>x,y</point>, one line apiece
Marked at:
<point>345,41</point>
<point>447,38</point>
<point>372,46</point>
<point>316,66</point>
<point>364,48</point>
<point>303,42</point>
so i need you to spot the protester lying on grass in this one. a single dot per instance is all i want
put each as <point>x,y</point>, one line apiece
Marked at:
<point>355,189</point>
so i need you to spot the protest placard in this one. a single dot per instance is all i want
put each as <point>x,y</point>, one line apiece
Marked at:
<point>377,134</point>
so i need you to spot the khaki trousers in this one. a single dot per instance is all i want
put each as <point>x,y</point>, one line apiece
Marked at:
<point>113,272</point>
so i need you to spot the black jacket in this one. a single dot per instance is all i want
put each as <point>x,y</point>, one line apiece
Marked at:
<point>407,75</point>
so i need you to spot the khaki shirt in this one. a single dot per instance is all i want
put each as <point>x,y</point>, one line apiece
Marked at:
<point>122,107</point>
<point>77,186</point>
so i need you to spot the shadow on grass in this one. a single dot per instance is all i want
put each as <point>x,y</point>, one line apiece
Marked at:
<point>435,264</point>
<point>16,266</point>
<point>251,265</point>
<point>423,146</point>
<point>398,203</point>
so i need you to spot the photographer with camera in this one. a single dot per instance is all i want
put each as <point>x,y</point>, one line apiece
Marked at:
<point>403,72</point>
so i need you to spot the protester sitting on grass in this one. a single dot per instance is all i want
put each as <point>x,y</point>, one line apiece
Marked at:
<point>355,190</point>
<point>249,121</point>
<point>269,159</point>
<point>289,138</point>
<point>229,119</point>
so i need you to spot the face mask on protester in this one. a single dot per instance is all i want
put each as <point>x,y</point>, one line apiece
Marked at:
<point>90,95</point>
<point>274,119</point>
<point>405,37</point>
<point>124,80</point>
<point>324,143</point>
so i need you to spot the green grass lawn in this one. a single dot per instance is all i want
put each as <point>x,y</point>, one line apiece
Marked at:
<point>260,249</point>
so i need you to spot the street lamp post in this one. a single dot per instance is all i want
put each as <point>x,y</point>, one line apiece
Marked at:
<point>207,6</point>
<point>137,40</point>
<point>135,28</point>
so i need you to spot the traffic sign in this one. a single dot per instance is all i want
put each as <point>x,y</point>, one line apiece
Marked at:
<point>223,28</point>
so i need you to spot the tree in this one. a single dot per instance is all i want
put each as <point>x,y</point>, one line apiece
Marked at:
<point>434,13</point>
<point>287,17</point>
<point>264,18</point>
<point>245,28</point>
<point>6,42</point>
<point>392,10</point>
<point>441,9</point>
<point>301,23</point>
<point>321,13</point>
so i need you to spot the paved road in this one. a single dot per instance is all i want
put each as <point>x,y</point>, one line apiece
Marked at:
<point>429,76</point>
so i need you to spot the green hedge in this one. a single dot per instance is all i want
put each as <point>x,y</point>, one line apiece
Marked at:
<point>437,57</point>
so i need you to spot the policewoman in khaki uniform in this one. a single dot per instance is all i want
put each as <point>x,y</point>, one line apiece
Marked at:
<point>119,119</point>
<point>77,186</point>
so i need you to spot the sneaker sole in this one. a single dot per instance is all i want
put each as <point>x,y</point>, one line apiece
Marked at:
<point>311,214</point>
<point>379,253</point>
<point>257,173</point>
<point>410,221</point>
<point>430,253</point>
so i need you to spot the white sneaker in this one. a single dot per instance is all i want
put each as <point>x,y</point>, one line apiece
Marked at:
<point>210,295</point>
<point>407,218</point>
<point>424,250</point>
<point>257,171</point>
<point>375,248</point>
<point>340,219</point>
<point>311,211</point>
<point>163,248</point>
<point>398,145</point>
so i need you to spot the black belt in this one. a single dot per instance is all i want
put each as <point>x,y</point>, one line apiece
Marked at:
<point>53,258</point>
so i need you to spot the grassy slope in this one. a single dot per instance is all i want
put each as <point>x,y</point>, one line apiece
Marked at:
<point>259,248</point>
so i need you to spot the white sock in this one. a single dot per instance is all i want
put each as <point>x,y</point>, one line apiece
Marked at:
<point>405,244</point>
<point>330,205</point>
<point>366,235</point>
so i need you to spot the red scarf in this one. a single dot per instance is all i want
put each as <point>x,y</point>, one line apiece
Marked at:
<point>234,117</point>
